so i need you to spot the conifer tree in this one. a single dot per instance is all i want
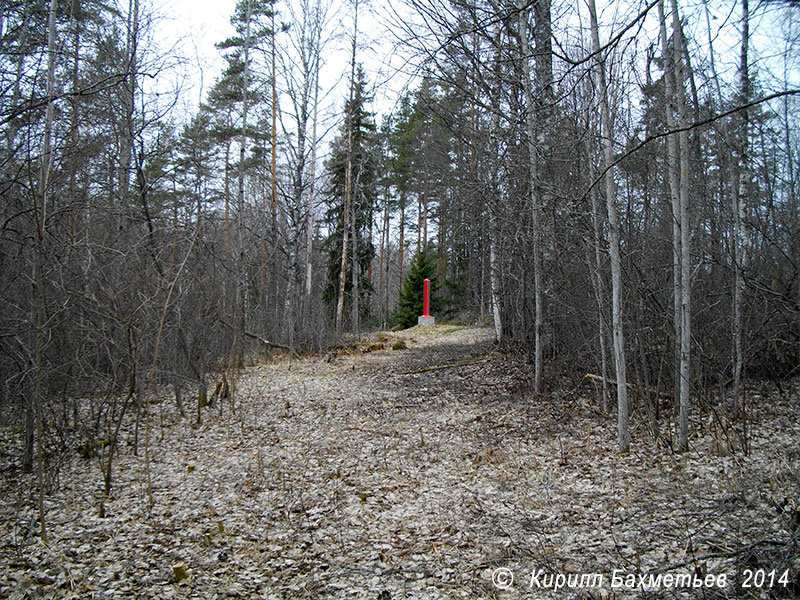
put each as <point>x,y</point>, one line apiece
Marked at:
<point>363,178</point>
<point>422,267</point>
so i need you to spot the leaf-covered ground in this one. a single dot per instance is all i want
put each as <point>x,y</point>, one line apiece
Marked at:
<point>371,475</point>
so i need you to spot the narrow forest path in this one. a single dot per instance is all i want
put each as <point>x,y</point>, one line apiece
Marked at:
<point>373,476</point>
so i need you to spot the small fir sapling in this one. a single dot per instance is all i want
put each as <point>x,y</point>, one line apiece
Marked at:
<point>410,305</point>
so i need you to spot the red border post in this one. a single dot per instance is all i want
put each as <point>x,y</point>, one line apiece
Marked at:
<point>425,318</point>
<point>425,298</point>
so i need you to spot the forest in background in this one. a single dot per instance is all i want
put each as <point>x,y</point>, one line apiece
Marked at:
<point>615,188</point>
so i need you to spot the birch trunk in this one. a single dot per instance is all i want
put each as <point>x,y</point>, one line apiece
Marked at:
<point>41,224</point>
<point>227,192</point>
<point>737,237</point>
<point>274,175</point>
<point>240,284</point>
<point>12,128</point>
<point>494,279</point>
<point>74,165</point>
<point>316,43</point>
<point>597,278</point>
<point>383,296</point>
<point>623,427</point>
<point>402,241</point>
<point>672,81</point>
<point>533,185</point>
<point>494,282</point>
<point>129,95</point>
<point>674,191</point>
<point>685,226</point>
<point>11,134</point>
<point>354,266</point>
<point>348,183</point>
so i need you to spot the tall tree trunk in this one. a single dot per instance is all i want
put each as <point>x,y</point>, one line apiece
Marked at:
<point>425,216</point>
<point>671,81</point>
<point>355,267</point>
<point>74,166</point>
<point>11,134</point>
<point>740,188</point>
<point>274,173</point>
<point>543,37</point>
<point>312,188</point>
<point>383,281</point>
<point>419,221</point>
<point>11,129</point>
<point>80,229</point>
<point>495,203</point>
<point>623,427</point>
<point>730,174</point>
<point>533,187</point>
<point>597,275</point>
<point>41,225</point>
<point>227,192</point>
<point>348,178</point>
<point>370,233</point>
<point>494,283</point>
<point>129,98</point>
<point>381,258</point>
<point>306,46</point>
<point>316,50</point>
<point>685,256</point>
<point>402,240</point>
<point>240,283</point>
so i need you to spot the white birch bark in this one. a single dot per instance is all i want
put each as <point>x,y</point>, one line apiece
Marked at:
<point>348,184</point>
<point>241,290</point>
<point>41,224</point>
<point>674,190</point>
<point>129,96</point>
<point>597,280</point>
<point>494,279</point>
<point>533,184</point>
<point>737,237</point>
<point>685,240</point>
<point>494,283</point>
<point>623,427</point>
<point>316,49</point>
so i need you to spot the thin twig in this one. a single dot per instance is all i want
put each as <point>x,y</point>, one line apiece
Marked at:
<point>630,386</point>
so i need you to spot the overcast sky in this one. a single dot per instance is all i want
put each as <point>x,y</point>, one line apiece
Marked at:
<point>193,27</point>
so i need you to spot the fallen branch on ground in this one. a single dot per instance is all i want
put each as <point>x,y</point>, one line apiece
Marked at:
<point>269,344</point>
<point>266,343</point>
<point>461,363</point>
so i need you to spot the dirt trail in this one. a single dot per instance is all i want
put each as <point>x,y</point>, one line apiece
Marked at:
<point>350,479</point>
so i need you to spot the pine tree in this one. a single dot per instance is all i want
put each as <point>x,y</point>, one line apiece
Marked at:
<point>422,267</point>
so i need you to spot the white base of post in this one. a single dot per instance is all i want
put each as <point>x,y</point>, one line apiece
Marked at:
<point>426,320</point>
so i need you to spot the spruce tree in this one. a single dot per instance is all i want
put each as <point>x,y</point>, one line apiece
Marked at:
<point>422,267</point>
<point>364,178</point>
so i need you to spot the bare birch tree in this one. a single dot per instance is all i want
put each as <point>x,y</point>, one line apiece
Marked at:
<point>740,186</point>
<point>129,98</point>
<point>40,213</point>
<point>315,47</point>
<point>678,175</point>
<point>683,217</point>
<point>623,427</point>
<point>533,184</point>
<point>348,186</point>
<point>495,290</point>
